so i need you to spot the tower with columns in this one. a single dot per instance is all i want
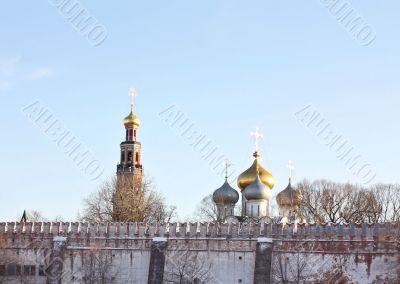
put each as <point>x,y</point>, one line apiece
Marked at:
<point>128,198</point>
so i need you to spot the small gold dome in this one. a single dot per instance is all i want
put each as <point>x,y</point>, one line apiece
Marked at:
<point>250,175</point>
<point>131,121</point>
<point>289,197</point>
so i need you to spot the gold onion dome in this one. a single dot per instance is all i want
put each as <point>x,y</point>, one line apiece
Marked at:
<point>250,175</point>
<point>131,121</point>
<point>289,197</point>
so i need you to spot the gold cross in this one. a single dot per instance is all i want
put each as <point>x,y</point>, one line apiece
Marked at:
<point>132,94</point>
<point>227,165</point>
<point>291,168</point>
<point>257,135</point>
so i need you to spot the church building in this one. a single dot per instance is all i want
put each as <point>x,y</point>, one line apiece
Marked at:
<point>255,185</point>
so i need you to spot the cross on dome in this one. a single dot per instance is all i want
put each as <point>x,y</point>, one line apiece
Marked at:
<point>290,168</point>
<point>257,135</point>
<point>227,165</point>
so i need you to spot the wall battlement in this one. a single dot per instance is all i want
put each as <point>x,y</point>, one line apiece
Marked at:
<point>73,252</point>
<point>365,231</point>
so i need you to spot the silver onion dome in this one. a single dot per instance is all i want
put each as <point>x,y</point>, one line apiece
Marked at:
<point>225,195</point>
<point>257,190</point>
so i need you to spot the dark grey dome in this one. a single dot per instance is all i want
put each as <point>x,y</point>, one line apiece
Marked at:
<point>225,195</point>
<point>257,190</point>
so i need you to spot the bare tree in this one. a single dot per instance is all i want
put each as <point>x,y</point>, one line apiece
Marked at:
<point>128,200</point>
<point>188,267</point>
<point>280,268</point>
<point>291,268</point>
<point>97,267</point>
<point>99,205</point>
<point>300,266</point>
<point>337,273</point>
<point>35,216</point>
<point>207,210</point>
<point>360,205</point>
<point>388,197</point>
<point>327,201</point>
<point>156,210</point>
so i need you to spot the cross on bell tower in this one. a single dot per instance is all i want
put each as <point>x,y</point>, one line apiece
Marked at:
<point>132,94</point>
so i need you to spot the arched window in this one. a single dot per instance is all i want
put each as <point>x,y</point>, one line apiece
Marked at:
<point>129,156</point>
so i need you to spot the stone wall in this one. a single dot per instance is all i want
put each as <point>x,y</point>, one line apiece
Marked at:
<point>211,253</point>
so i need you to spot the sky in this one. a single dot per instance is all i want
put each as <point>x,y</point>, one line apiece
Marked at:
<point>229,66</point>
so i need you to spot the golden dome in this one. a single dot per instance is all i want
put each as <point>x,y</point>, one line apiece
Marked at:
<point>131,121</point>
<point>250,175</point>
<point>289,197</point>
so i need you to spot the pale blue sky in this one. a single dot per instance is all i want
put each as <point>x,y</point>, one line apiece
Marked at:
<point>229,65</point>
